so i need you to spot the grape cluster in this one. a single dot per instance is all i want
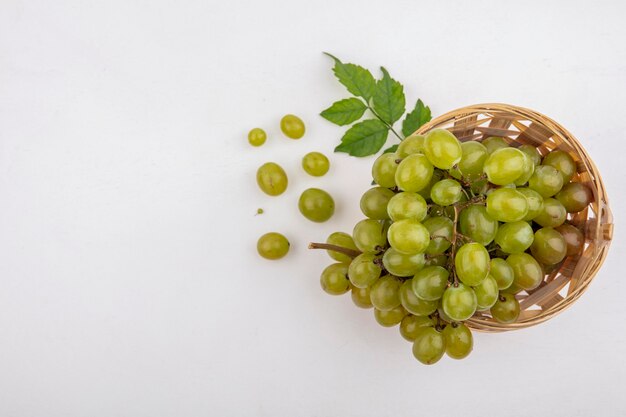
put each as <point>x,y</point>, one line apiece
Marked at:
<point>452,229</point>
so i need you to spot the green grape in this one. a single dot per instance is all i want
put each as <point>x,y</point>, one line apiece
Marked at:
<point>385,293</point>
<point>389,318</point>
<point>361,297</point>
<point>513,289</point>
<point>563,163</point>
<point>345,241</point>
<point>442,148</point>
<point>411,325</point>
<point>574,238</point>
<point>272,246</point>
<point>527,271</point>
<point>442,314</point>
<point>414,173</point>
<point>575,197</point>
<point>271,179</point>
<point>316,205</point>
<point>407,205</point>
<point>529,169</point>
<point>507,205</point>
<point>475,223</point>
<point>257,137</point>
<point>502,272</point>
<point>334,279</point>
<point>506,309</point>
<point>549,246</point>
<point>429,345</point>
<point>441,230</point>
<point>459,340</point>
<point>546,180</point>
<point>493,143</point>
<point>474,156</point>
<point>446,192</point>
<point>535,203</point>
<point>472,263</point>
<point>412,144</point>
<point>437,260</point>
<point>514,237</point>
<point>363,270</point>
<point>384,170</point>
<point>532,153</point>
<point>408,236</point>
<point>459,303</point>
<point>292,126</point>
<point>374,202</point>
<point>425,192</point>
<point>315,164</point>
<point>553,213</point>
<point>430,283</point>
<point>402,265</point>
<point>413,303</point>
<point>368,235</point>
<point>486,293</point>
<point>505,165</point>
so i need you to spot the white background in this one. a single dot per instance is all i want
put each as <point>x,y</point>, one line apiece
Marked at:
<point>129,279</point>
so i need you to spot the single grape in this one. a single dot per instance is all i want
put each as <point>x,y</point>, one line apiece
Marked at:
<point>502,272</point>
<point>384,170</point>
<point>475,223</point>
<point>549,246</point>
<point>316,205</point>
<point>363,270</point>
<point>257,137</point>
<point>535,202</point>
<point>474,156</point>
<point>408,236</point>
<point>413,303</point>
<point>507,205</point>
<point>515,237</point>
<point>334,279</point>
<point>385,293</point>
<point>575,197</point>
<point>442,148</point>
<point>345,241</point>
<point>361,297</point>
<point>574,238</point>
<point>425,192</point>
<point>506,309</point>
<point>410,325</point>
<point>546,180</point>
<point>531,152</point>
<point>446,192</point>
<point>429,345</point>
<point>527,271</point>
<point>271,179</point>
<point>459,340</point>
<point>414,173</point>
<point>441,230</point>
<point>292,126</point>
<point>553,213</point>
<point>315,164</point>
<point>459,302</point>
<point>374,202</point>
<point>529,170</point>
<point>472,263</point>
<point>402,265</point>
<point>368,235</point>
<point>389,318</point>
<point>493,143</point>
<point>412,144</point>
<point>272,246</point>
<point>505,165</point>
<point>486,293</point>
<point>430,283</point>
<point>407,205</point>
<point>563,162</point>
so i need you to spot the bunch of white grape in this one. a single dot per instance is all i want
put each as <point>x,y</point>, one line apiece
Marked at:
<point>453,229</point>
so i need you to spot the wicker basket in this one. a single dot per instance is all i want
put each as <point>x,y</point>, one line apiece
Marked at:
<point>568,280</point>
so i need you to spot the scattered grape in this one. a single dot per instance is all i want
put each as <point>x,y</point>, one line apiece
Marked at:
<point>316,205</point>
<point>257,137</point>
<point>272,246</point>
<point>271,179</point>
<point>292,126</point>
<point>315,164</point>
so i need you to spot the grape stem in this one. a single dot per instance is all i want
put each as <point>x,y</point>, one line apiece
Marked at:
<point>346,251</point>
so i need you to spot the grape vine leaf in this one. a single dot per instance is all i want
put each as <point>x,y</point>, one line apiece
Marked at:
<point>358,80</point>
<point>389,101</point>
<point>364,138</point>
<point>416,118</point>
<point>391,149</point>
<point>344,112</point>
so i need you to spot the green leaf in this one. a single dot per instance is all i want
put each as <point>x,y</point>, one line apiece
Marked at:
<point>364,138</point>
<point>391,149</point>
<point>416,118</point>
<point>344,112</point>
<point>358,80</point>
<point>389,98</point>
